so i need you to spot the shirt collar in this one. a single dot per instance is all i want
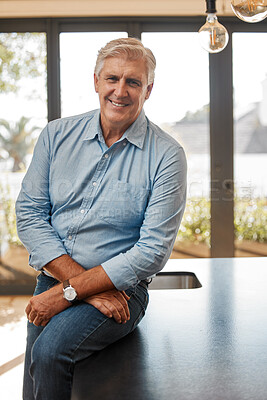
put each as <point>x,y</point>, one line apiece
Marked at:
<point>94,128</point>
<point>135,134</point>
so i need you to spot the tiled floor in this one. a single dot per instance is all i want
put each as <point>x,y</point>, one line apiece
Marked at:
<point>12,345</point>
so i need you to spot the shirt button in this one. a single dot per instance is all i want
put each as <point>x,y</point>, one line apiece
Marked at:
<point>106,155</point>
<point>94,183</point>
<point>70,237</point>
<point>82,211</point>
<point>124,143</point>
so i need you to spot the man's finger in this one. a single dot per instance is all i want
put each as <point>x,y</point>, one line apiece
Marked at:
<point>120,306</point>
<point>125,295</point>
<point>32,316</point>
<point>110,307</point>
<point>104,309</point>
<point>39,322</point>
<point>28,309</point>
<point>120,297</point>
<point>36,321</point>
<point>116,314</point>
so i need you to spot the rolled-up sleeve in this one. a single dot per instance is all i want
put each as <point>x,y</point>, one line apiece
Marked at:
<point>33,209</point>
<point>160,225</point>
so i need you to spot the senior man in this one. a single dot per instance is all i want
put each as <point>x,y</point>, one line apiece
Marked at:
<point>98,212</point>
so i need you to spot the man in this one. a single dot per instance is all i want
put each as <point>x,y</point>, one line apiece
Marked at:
<point>98,211</point>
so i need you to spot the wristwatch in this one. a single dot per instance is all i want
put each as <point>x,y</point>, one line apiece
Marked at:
<point>69,293</point>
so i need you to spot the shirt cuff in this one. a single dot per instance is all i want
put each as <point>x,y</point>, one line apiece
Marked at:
<point>43,255</point>
<point>120,272</point>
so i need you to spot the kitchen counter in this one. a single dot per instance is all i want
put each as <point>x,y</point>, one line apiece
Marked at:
<point>207,343</point>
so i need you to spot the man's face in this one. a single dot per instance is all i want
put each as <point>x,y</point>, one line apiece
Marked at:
<point>122,88</point>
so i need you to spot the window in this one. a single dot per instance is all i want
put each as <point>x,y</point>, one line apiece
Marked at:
<point>187,86</point>
<point>179,104</point>
<point>23,105</point>
<point>250,143</point>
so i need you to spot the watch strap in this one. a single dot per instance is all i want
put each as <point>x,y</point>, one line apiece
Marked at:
<point>66,283</point>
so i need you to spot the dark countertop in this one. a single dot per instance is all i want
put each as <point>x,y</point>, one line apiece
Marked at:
<point>208,343</point>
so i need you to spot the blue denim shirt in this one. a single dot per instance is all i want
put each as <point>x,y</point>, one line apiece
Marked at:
<point>118,206</point>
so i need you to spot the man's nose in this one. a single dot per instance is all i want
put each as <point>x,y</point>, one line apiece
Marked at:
<point>121,89</point>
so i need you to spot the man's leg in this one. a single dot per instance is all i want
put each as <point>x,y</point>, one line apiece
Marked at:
<point>32,334</point>
<point>71,336</point>
<point>43,283</point>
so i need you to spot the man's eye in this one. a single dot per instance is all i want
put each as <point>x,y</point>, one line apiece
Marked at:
<point>111,79</point>
<point>134,84</point>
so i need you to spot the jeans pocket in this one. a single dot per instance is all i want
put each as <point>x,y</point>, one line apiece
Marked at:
<point>140,298</point>
<point>130,291</point>
<point>138,319</point>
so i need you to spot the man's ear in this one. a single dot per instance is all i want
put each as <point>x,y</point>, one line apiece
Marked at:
<point>96,83</point>
<point>148,90</point>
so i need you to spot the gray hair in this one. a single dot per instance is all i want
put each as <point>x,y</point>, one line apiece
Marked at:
<point>131,48</point>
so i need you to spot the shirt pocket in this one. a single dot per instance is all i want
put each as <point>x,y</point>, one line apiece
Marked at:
<point>123,204</point>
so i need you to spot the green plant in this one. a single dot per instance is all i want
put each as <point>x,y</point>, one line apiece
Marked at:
<point>250,220</point>
<point>21,55</point>
<point>195,225</point>
<point>7,209</point>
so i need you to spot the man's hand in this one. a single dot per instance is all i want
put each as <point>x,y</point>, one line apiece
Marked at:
<point>111,303</point>
<point>44,306</point>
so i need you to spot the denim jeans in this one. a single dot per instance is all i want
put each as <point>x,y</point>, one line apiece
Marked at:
<point>71,336</point>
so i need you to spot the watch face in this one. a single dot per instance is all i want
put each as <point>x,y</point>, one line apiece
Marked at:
<point>70,294</point>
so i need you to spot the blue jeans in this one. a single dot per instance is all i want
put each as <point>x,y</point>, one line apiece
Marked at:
<point>71,336</point>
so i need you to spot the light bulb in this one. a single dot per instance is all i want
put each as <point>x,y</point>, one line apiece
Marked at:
<point>213,36</point>
<point>250,10</point>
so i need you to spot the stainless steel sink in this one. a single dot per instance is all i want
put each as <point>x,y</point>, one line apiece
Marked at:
<point>175,280</point>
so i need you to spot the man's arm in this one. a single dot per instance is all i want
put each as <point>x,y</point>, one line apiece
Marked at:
<point>94,286</point>
<point>86,283</point>
<point>46,249</point>
<point>33,209</point>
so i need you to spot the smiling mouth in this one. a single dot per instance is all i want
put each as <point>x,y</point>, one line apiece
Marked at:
<point>118,104</point>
